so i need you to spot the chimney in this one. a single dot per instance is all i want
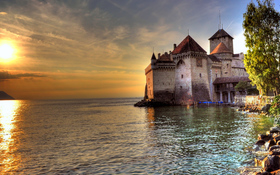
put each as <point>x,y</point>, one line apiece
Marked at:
<point>158,55</point>
<point>175,46</point>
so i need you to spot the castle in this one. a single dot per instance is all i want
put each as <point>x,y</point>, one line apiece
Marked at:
<point>188,75</point>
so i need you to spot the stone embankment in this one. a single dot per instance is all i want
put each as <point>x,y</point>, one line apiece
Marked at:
<point>145,103</point>
<point>254,108</point>
<point>269,144</point>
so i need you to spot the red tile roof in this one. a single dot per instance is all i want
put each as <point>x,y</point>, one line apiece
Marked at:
<point>222,80</point>
<point>188,44</point>
<point>221,48</point>
<point>220,33</point>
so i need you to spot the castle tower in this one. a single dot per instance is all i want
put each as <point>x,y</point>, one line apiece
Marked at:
<point>221,36</point>
<point>191,76</point>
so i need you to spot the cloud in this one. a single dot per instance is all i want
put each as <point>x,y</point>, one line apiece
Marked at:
<point>5,75</point>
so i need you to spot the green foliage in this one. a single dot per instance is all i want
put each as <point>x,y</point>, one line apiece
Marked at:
<point>245,86</point>
<point>262,32</point>
<point>275,106</point>
<point>242,86</point>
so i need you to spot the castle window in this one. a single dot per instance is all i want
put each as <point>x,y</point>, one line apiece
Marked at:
<point>200,75</point>
<point>182,76</point>
<point>199,62</point>
<point>227,65</point>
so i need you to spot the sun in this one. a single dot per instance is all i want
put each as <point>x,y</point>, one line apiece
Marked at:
<point>6,51</point>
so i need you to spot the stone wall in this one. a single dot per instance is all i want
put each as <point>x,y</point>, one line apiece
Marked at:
<point>200,80</point>
<point>183,90</point>
<point>164,83</point>
<point>150,86</point>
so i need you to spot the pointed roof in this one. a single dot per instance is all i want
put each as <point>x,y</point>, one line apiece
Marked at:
<point>188,44</point>
<point>221,48</point>
<point>153,57</point>
<point>220,33</point>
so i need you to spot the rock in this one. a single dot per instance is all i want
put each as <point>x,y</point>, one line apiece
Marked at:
<point>266,107</point>
<point>260,142</point>
<point>269,144</point>
<point>271,163</point>
<point>274,130</point>
<point>276,139</point>
<point>276,172</point>
<point>258,161</point>
<point>264,137</point>
<point>274,147</point>
<point>5,96</point>
<point>275,151</point>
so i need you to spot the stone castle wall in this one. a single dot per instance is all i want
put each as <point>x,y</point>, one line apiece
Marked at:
<point>200,80</point>
<point>183,90</point>
<point>164,84</point>
<point>149,83</point>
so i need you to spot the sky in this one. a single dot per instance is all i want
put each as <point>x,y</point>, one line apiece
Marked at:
<point>66,49</point>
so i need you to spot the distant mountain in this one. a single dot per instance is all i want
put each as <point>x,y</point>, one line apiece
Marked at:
<point>5,96</point>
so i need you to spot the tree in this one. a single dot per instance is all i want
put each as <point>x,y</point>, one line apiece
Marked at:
<point>262,33</point>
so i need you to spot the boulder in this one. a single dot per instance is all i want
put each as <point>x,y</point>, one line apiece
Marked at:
<point>264,137</point>
<point>271,163</point>
<point>276,172</point>
<point>276,139</point>
<point>274,147</point>
<point>260,142</point>
<point>269,144</point>
<point>274,130</point>
<point>258,161</point>
<point>266,107</point>
<point>275,151</point>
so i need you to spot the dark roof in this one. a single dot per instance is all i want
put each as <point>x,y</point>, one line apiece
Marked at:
<point>153,57</point>
<point>222,80</point>
<point>214,58</point>
<point>164,58</point>
<point>221,48</point>
<point>220,33</point>
<point>188,44</point>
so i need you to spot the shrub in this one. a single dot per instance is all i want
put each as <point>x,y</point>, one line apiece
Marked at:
<point>275,106</point>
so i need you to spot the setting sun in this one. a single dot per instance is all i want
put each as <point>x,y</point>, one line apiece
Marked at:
<point>6,51</point>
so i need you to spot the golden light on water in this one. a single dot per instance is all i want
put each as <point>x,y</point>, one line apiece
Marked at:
<point>8,111</point>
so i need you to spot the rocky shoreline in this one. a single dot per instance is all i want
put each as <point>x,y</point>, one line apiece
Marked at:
<point>269,163</point>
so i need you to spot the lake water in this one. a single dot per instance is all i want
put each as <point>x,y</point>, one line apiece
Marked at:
<point>111,136</point>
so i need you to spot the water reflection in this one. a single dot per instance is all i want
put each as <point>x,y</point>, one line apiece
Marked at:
<point>8,112</point>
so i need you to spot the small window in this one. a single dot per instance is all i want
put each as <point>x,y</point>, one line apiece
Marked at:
<point>227,65</point>
<point>182,76</point>
<point>225,72</point>
<point>200,75</point>
<point>181,87</point>
<point>216,75</point>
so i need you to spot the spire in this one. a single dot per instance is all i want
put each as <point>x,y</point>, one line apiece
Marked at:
<point>153,57</point>
<point>220,23</point>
